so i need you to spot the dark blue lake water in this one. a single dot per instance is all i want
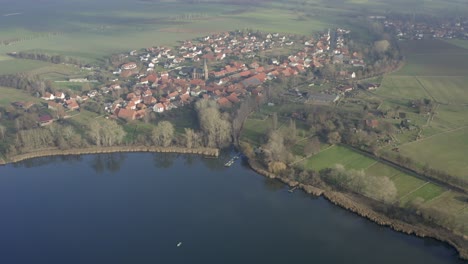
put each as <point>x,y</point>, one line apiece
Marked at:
<point>135,208</point>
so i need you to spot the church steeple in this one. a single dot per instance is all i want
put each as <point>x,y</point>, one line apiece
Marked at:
<point>205,70</point>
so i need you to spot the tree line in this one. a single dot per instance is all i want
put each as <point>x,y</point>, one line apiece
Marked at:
<point>56,59</point>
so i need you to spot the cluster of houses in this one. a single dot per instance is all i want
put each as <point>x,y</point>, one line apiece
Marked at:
<point>164,78</point>
<point>58,100</point>
<point>449,28</point>
<point>186,75</point>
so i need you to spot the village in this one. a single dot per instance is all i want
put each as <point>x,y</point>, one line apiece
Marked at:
<point>410,29</point>
<point>226,67</point>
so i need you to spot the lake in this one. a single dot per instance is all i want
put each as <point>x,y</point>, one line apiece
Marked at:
<point>136,208</point>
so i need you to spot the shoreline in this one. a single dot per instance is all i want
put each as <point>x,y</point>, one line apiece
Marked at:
<point>212,152</point>
<point>363,209</point>
<point>340,199</point>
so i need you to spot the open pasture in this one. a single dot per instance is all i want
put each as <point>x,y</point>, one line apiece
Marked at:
<point>433,58</point>
<point>381,170</point>
<point>10,66</point>
<point>426,192</point>
<point>408,187</point>
<point>401,88</point>
<point>446,89</point>
<point>444,151</point>
<point>328,157</point>
<point>449,117</point>
<point>10,95</point>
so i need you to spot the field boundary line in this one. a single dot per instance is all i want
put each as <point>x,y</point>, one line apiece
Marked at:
<point>441,133</point>
<point>371,165</point>
<point>309,156</point>
<point>425,89</point>
<point>463,209</point>
<point>424,184</point>
<point>437,197</point>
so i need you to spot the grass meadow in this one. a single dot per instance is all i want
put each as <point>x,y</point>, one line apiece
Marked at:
<point>10,95</point>
<point>408,186</point>
<point>435,70</point>
<point>444,151</point>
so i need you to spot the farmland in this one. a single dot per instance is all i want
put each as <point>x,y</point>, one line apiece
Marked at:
<point>10,95</point>
<point>100,29</point>
<point>444,151</point>
<point>409,188</point>
<point>434,70</point>
<point>90,34</point>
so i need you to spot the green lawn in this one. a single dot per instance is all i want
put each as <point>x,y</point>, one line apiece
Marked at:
<point>406,184</point>
<point>408,187</point>
<point>338,155</point>
<point>427,193</point>
<point>254,130</point>
<point>380,169</point>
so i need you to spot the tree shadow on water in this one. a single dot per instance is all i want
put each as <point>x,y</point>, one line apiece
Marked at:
<point>110,162</point>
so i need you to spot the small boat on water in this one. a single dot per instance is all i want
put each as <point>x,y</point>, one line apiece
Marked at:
<point>179,244</point>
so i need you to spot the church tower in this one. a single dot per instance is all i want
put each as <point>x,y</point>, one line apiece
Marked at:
<point>205,70</point>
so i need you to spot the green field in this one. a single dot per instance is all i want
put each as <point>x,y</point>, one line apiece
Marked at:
<point>427,192</point>
<point>254,130</point>
<point>401,88</point>
<point>408,187</point>
<point>435,70</point>
<point>9,66</point>
<point>446,89</point>
<point>100,29</point>
<point>445,151</point>
<point>459,42</point>
<point>380,169</point>
<point>10,95</point>
<point>90,30</point>
<point>338,155</point>
<point>433,58</point>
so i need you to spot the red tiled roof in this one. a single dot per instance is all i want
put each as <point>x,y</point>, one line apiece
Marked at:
<point>127,114</point>
<point>223,101</point>
<point>233,98</point>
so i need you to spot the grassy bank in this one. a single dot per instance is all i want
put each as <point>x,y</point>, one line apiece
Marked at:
<point>365,207</point>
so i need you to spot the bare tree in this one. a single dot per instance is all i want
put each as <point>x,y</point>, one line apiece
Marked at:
<point>2,132</point>
<point>215,126</point>
<point>192,138</point>
<point>275,148</point>
<point>163,134</point>
<point>105,133</point>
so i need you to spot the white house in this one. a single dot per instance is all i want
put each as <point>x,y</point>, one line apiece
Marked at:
<point>158,108</point>
<point>48,96</point>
